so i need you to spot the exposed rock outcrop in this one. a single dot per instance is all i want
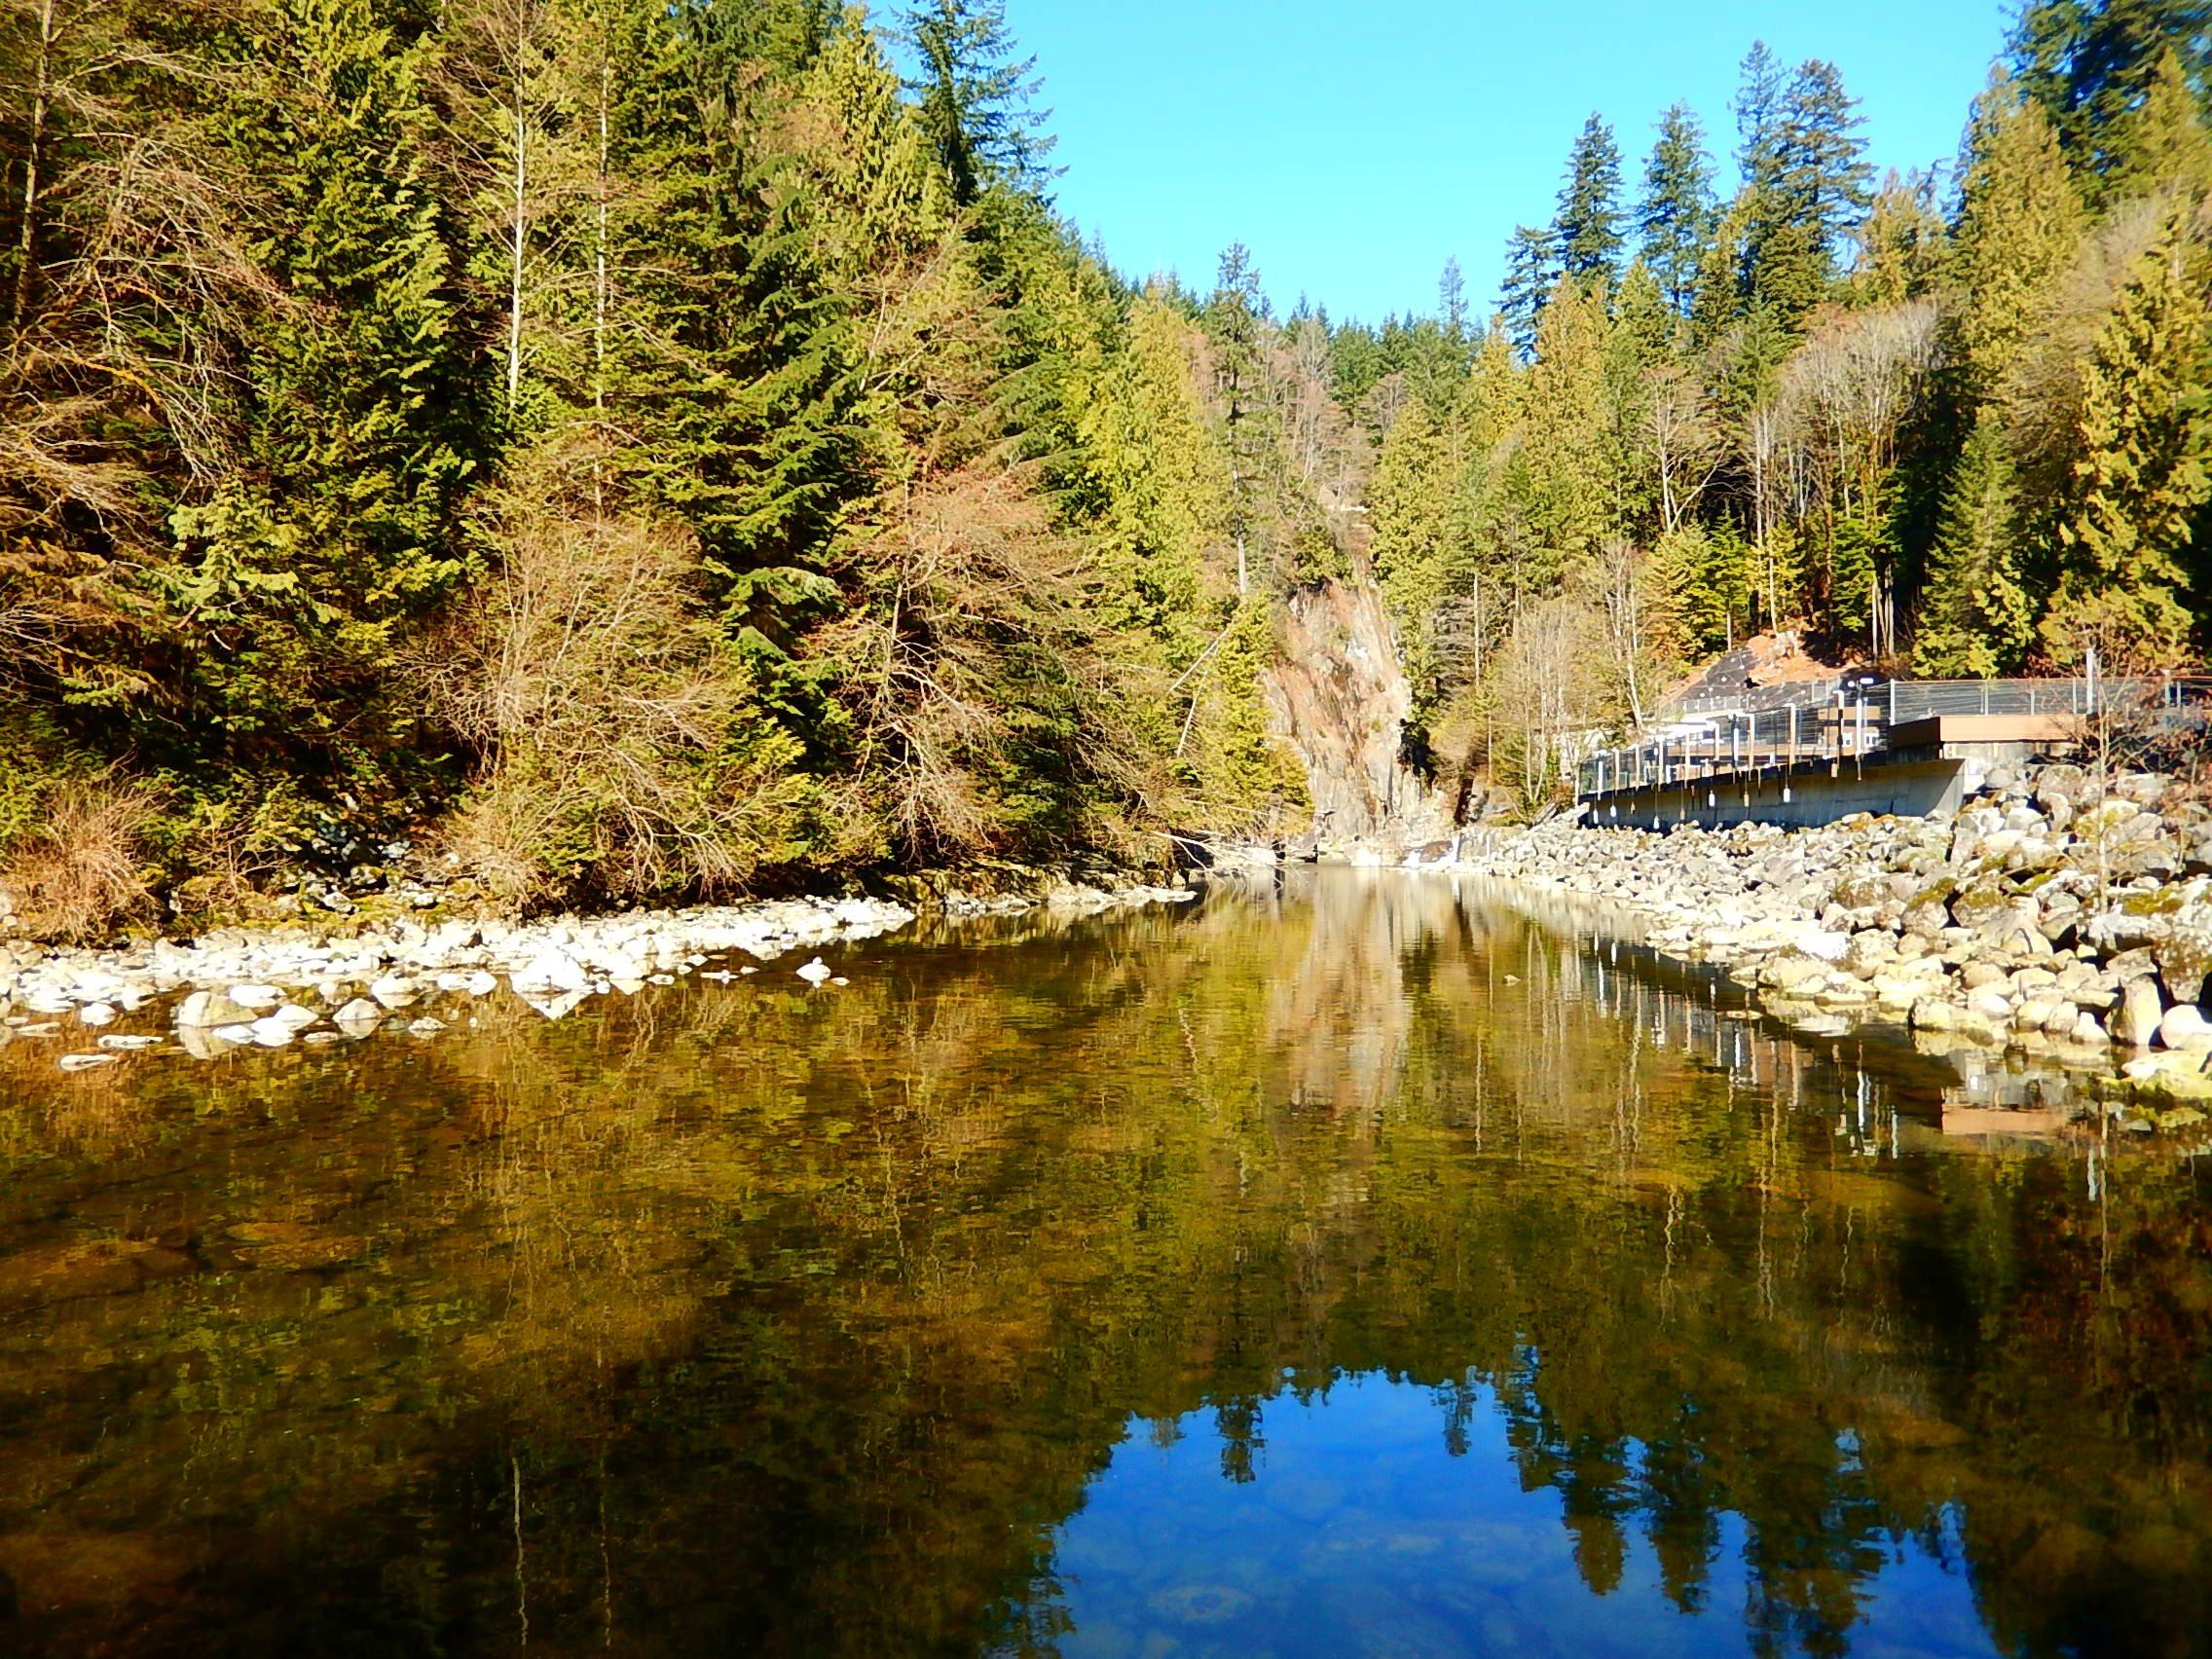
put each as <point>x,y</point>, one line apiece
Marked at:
<point>1340,699</point>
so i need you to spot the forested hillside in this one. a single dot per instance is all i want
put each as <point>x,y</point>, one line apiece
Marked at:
<point>639,450</point>
<point>1953,421</point>
<point>652,444</point>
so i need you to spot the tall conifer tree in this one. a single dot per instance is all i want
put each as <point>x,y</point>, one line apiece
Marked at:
<point>2020,221</point>
<point>2141,473</point>
<point>1825,177</point>
<point>1675,217</point>
<point>2089,63</point>
<point>1586,233</point>
<point>1531,271</point>
<point>337,530</point>
<point>977,98</point>
<point>2162,144</point>
<point>1978,617</point>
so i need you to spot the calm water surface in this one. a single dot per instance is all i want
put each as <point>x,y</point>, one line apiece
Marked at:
<point>1365,1269</point>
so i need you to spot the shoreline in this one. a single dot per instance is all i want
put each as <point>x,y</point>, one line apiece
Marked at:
<point>2053,915</point>
<point>233,988</point>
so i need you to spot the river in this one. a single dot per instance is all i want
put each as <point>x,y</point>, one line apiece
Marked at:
<point>1361,1268</point>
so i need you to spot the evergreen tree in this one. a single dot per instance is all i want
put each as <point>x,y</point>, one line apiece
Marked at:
<point>1572,437</point>
<point>1805,179</point>
<point>338,530</point>
<point>1710,571</point>
<point>1825,177</point>
<point>1531,271</point>
<point>1451,299</point>
<point>1717,300</point>
<point>1901,244</point>
<point>1586,232</point>
<point>1412,508</point>
<point>2162,142</point>
<point>2090,63</point>
<point>1355,363</point>
<point>1676,217</point>
<point>2140,478</point>
<point>1642,319</point>
<point>2019,224</point>
<point>1862,557</point>
<point>1233,319</point>
<point>1492,403</point>
<point>1977,619</point>
<point>1761,86</point>
<point>1773,255</point>
<point>752,441</point>
<point>977,98</point>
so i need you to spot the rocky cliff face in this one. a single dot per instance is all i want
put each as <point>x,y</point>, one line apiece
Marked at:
<point>1340,700</point>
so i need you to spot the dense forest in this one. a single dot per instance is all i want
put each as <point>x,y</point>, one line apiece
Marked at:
<point>1953,423</point>
<point>658,441</point>
<point>680,449</point>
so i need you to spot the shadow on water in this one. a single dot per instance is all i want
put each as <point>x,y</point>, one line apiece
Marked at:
<point>1365,1267</point>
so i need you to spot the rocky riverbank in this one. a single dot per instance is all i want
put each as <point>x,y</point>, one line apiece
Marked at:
<point>238,987</point>
<point>2061,914</point>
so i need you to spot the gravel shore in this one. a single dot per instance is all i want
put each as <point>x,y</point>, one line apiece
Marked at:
<point>236,988</point>
<point>2058,913</point>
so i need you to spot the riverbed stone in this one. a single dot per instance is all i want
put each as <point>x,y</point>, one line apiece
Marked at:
<point>1869,950</point>
<point>2184,959</point>
<point>550,973</point>
<point>1981,901</point>
<point>395,992</point>
<point>2136,1023</point>
<point>1993,1005</point>
<point>209,1010</point>
<point>358,1017</point>
<point>2183,1026</point>
<point>1793,974</point>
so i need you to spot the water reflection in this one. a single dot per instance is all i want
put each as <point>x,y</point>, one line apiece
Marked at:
<point>1391,1519</point>
<point>753,1318</point>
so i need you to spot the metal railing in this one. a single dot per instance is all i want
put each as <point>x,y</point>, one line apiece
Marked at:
<point>1754,697</point>
<point>1851,723</point>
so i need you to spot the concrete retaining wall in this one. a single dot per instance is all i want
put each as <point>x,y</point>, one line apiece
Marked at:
<point>1807,795</point>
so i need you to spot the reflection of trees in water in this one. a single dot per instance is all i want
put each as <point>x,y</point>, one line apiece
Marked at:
<point>799,1321</point>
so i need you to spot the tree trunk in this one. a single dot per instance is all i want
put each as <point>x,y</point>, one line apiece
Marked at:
<point>517,240</point>
<point>599,249</point>
<point>34,153</point>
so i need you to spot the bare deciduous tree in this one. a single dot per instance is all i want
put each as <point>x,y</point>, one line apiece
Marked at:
<point>1687,446</point>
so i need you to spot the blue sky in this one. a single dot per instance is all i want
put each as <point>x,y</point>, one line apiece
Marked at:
<point>1353,146</point>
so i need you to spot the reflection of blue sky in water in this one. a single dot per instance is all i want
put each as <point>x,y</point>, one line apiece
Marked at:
<point>1360,1534</point>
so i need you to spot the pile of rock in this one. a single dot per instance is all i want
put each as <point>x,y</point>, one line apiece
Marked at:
<point>2054,911</point>
<point>272,987</point>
